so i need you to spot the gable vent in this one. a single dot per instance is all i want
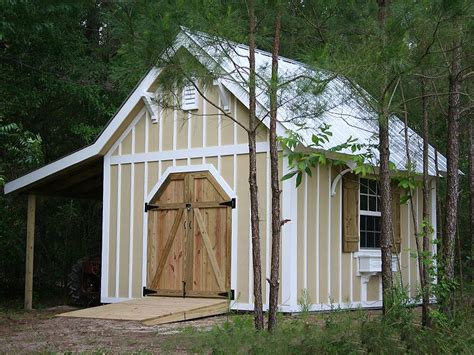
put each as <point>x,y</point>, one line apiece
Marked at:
<point>189,99</point>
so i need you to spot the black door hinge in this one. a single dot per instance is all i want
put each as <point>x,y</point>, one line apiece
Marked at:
<point>230,203</point>
<point>230,295</point>
<point>147,291</point>
<point>149,207</point>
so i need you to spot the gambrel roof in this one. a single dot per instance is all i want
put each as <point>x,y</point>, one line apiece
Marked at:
<point>300,108</point>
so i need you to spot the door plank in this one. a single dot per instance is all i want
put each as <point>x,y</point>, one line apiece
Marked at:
<point>208,245</point>
<point>167,248</point>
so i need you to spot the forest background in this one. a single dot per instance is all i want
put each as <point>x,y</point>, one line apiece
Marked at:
<point>66,68</point>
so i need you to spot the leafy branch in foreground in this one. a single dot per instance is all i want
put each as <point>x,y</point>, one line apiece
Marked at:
<point>301,162</point>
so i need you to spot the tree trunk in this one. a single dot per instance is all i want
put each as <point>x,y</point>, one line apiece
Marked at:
<point>252,133</point>
<point>452,177</point>
<point>425,277</point>
<point>275,186</point>
<point>385,189</point>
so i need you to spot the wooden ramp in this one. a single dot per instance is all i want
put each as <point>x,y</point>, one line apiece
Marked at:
<point>155,310</point>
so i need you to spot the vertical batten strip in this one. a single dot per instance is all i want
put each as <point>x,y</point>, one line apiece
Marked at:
<point>409,244</point>
<point>204,124</point>
<point>145,227</point>
<point>117,246</point>
<point>329,235</point>
<point>219,132</point>
<point>250,259</point>
<point>160,140</point>
<point>104,278</point>
<point>234,240</point>
<point>145,193</point>
<point>305,234</point>
<point>235,119</point>
<point>175,128</point>
<point>190,121</point>
<point>132,196</point>
<point>268,221</point>
<point>340,243</point>
<point>318,296</point>
<point>289,242</point>
<point>130,255</point>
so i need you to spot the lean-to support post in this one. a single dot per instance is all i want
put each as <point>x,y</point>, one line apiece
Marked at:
<point>30,242</point>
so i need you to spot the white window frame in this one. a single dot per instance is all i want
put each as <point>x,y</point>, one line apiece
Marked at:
<point>367,250</point>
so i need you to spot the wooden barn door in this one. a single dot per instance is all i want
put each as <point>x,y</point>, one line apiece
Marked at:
<point>189,230</point>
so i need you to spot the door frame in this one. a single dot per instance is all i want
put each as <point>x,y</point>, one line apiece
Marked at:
<point>227,189</point>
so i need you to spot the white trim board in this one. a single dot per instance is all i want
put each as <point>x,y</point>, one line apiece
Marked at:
<point>262,147</point>
<point>189,169</point>
<point>220,180</point>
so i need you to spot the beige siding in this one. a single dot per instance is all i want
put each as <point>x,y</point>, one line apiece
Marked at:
<point>182,129</point>
<point>124,236</point>
<point>324,291</point>
<point>242,114</point>
<point>262,198</point>
<point>197,128</point>
<point>140,135</point>
<point>196,161</point>
<point>327,274</point>
<point>373,288</point>
<point>126,146</point>
<point>168,129</point>
<point>153,174</point>
<point>212,120</point>
<point>153,135</point>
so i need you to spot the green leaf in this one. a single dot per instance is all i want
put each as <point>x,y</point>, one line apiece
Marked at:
<point>289,175</point>
<point>298,179</point>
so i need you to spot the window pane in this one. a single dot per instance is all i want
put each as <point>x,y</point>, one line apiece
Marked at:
<point>373,187</point>
<point>363,239</point>
<point>363,223</point>
<point>370,240</point>
<point>377,240</point>
<point>363,186</point>
<point>377,224</point>
<point>372,203</point>
<point>363,202</point>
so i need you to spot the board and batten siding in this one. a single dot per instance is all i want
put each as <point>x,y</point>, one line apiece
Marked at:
<point>311,257</point>
<point>327,276</point>
<point>141,156</point>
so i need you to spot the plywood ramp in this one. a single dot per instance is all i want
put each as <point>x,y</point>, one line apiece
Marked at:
<point>155,310</point>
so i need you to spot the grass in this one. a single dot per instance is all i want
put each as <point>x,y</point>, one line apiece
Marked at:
<point>345,332</point>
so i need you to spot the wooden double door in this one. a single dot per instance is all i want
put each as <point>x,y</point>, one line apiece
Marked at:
<point>189,236</point>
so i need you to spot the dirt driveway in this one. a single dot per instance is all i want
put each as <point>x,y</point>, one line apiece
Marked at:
<point>41,331</point>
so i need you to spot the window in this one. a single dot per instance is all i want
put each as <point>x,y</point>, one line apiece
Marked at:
<point>369,214</point>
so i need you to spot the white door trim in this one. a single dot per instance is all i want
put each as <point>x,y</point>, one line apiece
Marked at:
<point>228,190</point>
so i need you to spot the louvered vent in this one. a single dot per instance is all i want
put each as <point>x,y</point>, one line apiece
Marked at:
<point>189,99</point>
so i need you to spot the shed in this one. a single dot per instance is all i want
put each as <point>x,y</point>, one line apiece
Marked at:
<point>175,195</point>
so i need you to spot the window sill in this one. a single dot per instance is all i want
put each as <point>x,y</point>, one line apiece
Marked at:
<point>369,261</point>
